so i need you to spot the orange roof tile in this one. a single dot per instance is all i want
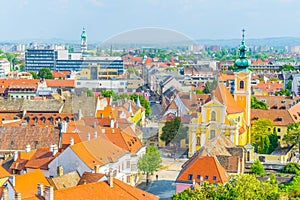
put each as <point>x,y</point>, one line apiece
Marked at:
<point>98,151</point>
<point>62,74</point>
<point>90,177</point>
<point>223,96</point>
<point>60,83</point>
<point>102,190</point>
<point>3,172</point>
<point>294,112</point>
<point>66,137</point>
<point>27,183</point>
<point>124,140</point>
<point>41,159</point>
<point>206,166</point>
<point>258,62</point>
<point>280,117</point>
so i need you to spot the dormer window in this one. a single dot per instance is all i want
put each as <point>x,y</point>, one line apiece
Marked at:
<point>190,177</point>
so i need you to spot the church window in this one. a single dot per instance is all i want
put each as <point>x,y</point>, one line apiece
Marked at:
<point>242,85</point>
<point>198,141</point>
<point>212,134</point>
<point>213,116</point>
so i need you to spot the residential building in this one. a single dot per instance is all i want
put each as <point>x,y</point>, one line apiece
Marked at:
<point>4,67</point>
<point>199,170</point>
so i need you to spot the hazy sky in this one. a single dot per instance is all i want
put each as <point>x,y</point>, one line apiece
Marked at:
<point>199,19</point>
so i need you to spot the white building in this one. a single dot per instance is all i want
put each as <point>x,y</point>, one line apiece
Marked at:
<point>4,67</point>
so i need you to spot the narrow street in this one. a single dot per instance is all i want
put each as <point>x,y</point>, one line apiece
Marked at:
<point>164,187</point>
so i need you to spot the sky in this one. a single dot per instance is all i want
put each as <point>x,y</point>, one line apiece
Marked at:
<point>198,19</point>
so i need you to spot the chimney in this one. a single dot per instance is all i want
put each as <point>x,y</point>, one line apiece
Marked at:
<point>112,123</point>
<point>40,189</point>
<point>18,196</point>
<point>95,125</point>
<point>49,193</point>
<point>110,179</point>
<point>103,130</point>
<point>60,170</point>
<point>117,124</point>
<point>16,154</point>
<point>5,194</point>
<point>27,148</point>
<point>79,114</point>
<point>51,147</point>
<point>97,168</point>
<point>95,134</point>
<point>55,150</point>
<point>88,136</point>
<point>113,130</point>
<point>71,141</point>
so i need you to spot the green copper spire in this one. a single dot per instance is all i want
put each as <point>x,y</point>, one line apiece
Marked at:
<point>242,63</point>
<point>83,34</point>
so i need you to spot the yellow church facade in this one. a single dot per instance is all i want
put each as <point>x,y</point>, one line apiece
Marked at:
<point>225,113</point>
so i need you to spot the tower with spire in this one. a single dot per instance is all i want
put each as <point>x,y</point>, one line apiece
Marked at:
<point>242,81</point>
<point>83,41</point>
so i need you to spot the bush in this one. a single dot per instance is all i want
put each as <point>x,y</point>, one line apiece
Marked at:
<point>257,168</point>
<point>292,168</point>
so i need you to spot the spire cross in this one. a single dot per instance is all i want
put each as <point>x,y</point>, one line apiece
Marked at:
<point>243,33</point>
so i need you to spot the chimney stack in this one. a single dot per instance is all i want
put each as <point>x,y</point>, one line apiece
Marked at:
<point>40,188</point>
<point>60,170</point>
<point>112,123</point>
<point>117,124</point>
<point>88,136</point>
<point>71,141</point>
<point>55,149</point>
<point>5,194</point>
<point>27,148</point>
<point>49,193</point>
<point>95,134</point>
<point>79,114</point>
<point>110,179</point>
<point>18,196</point>
<point>97,168</point>
<point>103,130</point>
<point>16,154</point>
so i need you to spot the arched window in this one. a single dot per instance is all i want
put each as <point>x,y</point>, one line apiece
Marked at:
<point>213,116</point>
<point>198,141</point>
<point>242,84</point>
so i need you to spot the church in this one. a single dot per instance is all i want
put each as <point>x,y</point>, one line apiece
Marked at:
<point>225,113</point>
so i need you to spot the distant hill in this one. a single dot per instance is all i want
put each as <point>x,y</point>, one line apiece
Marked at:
<point>272,42</point>
<point>277,42</point>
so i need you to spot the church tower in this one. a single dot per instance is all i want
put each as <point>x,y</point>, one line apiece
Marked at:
<point>83,41</point>
<point>242,81</point>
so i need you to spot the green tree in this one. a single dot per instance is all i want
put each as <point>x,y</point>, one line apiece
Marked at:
<point>283,92</point>
<point>245,187</point>
<point>134,70</point>
<point>289,85</point>
<point>34,75</point>
<point>45,73</point>
<point>257,104</point>
<point>150,161</point>
<point>292,135</point>
<point>261,130</point>
<point>89,93</point>
<point>257,168</point>
<point>144,103</point>
<point>288,67</point>
<point>170,130</point>
<point>210,86</point>
<point>108,93</point>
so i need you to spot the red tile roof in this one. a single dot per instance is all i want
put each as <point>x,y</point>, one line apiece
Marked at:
<point>208,167</point>
<point>224,97</point>
<point>279,117</point>
<point>102,190</point>
<point>62,74</point>
<point>41,159</point>
<point>60,83</point>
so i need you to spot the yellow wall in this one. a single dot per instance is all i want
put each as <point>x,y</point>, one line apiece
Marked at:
<point>137,117</point>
